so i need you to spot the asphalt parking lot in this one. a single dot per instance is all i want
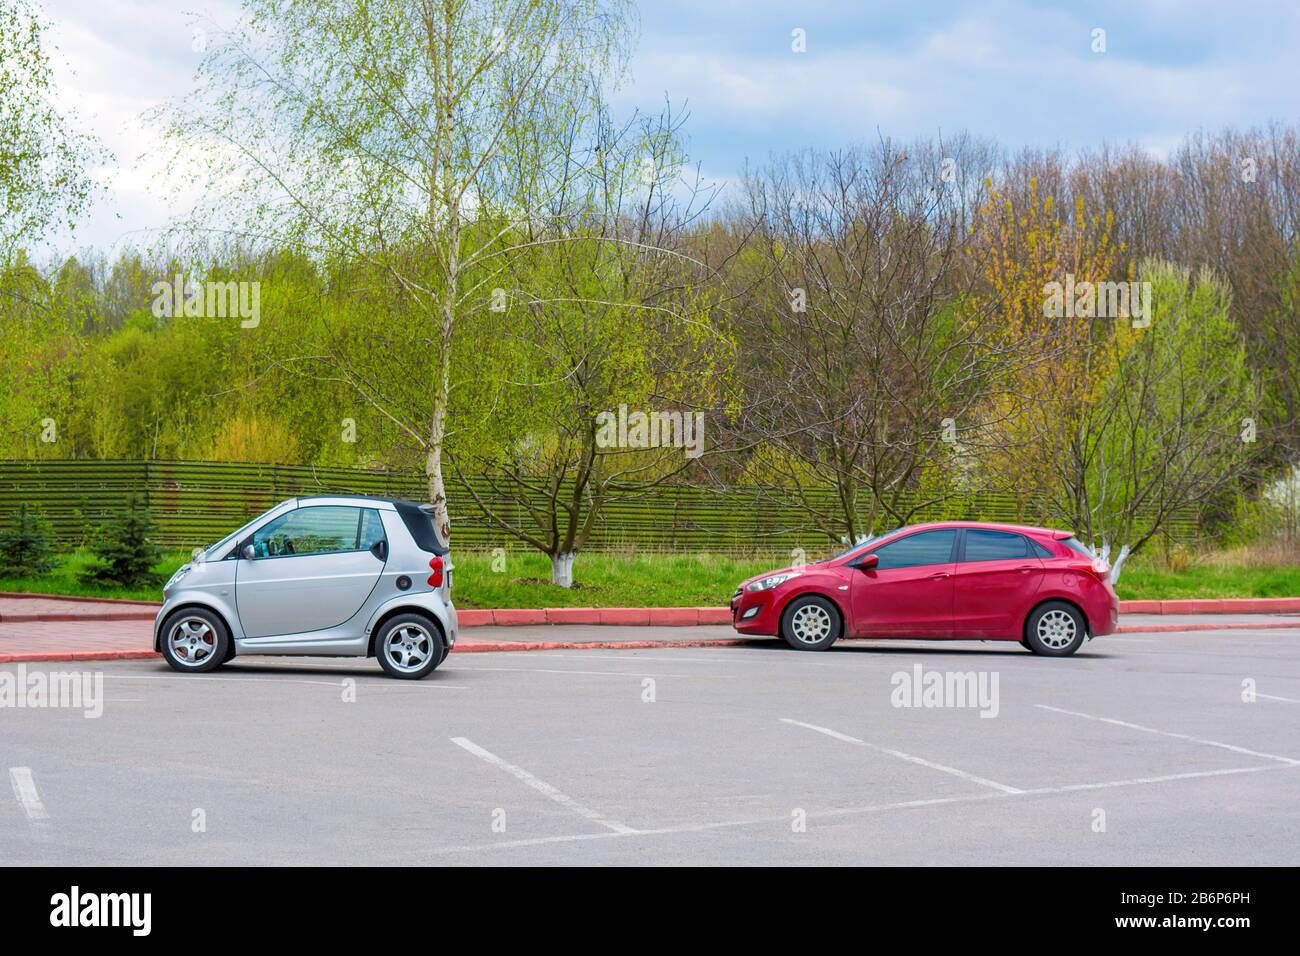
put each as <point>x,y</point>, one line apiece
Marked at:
<point>1139,750</point>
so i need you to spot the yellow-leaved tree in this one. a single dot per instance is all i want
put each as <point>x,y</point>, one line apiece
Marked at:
<point>1040,263</point>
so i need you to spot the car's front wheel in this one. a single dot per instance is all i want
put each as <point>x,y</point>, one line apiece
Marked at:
<point>409,646</point>
<point>1055,629</point>
<point>810,623</point>
<point>195,640</point>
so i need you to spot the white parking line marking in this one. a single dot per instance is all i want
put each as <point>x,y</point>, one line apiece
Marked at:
<point>542,787</point>
<point>825,730</point>
<point>1136,781</point>
<point>859,811</point>
<point>1169,733</point>
<point>1286,700</point>
<point>24,785</point>
<point>908,757</point>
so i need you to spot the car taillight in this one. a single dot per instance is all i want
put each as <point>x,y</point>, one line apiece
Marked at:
<point>1102,569</point>
<point>435,579</point>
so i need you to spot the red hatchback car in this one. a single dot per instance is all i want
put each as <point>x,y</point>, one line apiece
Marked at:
<point>955,580</point>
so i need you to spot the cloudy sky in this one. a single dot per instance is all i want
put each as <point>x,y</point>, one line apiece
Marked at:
<point>1020,71</point>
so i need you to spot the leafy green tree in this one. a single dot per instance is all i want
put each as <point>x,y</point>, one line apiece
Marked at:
<point>126,550</point>
<point>395,138</point>
<point>604,312</point>
<point>41,357</point>
<point>1173,421</point>
<point>26,547</point>
<point>43,180</point>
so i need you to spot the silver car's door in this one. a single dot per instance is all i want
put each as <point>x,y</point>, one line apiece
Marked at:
<point>310,570</point>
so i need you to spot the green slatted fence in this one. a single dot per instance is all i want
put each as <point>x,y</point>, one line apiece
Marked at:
<point>195,503</point>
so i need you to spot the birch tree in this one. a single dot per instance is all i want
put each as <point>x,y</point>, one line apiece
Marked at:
<point>43,161</point>
<point>404,141</point>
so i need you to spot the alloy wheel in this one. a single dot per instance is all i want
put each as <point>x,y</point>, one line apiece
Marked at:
<point>810,624</point>
<point>409,646</point>
<point>192,641</point>
<point>1057,629</point>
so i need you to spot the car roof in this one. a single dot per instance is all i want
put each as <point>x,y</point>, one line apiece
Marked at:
<point>353,499</point>
<point>992,526</point>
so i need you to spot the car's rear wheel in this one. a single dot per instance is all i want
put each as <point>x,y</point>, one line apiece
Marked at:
<point>195,640</point>
<point>810,623</point>
<point>409,647</point>
<point>1055,629</point>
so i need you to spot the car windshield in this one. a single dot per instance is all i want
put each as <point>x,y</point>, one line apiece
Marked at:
<point>870,539</point>
<point>214,548</point>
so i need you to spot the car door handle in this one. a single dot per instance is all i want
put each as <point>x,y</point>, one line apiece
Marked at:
<point>941,574</point>
<point>1027,567</point>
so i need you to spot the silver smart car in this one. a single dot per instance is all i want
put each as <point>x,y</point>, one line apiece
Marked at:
<point>340,576</point>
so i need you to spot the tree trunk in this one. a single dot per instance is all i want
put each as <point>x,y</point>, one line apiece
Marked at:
<point>562,568</point>
<point>443,186</point>
<point>438,493</point>
<point>1119,564</point>
<point>438,428</point>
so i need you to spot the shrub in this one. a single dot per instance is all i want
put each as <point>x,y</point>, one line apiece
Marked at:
<point>25,548</point>
<point>127,551</point>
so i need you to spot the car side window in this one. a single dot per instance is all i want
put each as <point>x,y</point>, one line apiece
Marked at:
<point>323,529</point>
<point>372,529</point>
<point>995,545</point>
<point>917,550</point>
<point>1040,550</point>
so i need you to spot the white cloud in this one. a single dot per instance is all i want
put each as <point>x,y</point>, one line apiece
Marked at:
<point>114,61</point>
<point>1017,71</point>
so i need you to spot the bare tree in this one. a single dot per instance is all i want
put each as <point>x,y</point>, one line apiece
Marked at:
<point>867,353</point>
<point>1236,208</point>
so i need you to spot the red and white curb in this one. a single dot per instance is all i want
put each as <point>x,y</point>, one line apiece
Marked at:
<point>625,617</point>
<point>477,646</point>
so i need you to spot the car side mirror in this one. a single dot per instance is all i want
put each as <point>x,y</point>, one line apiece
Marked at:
<point>869,562</point>
<point>247,552</point>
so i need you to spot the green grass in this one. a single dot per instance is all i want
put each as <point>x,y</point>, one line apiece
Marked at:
<point>681,580</point>
<point>63,579</point>
<point>602,580</point>
<point>1209,581</point>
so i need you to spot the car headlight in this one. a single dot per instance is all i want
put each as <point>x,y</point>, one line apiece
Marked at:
<point>771,581</point>
<point>183,570</point>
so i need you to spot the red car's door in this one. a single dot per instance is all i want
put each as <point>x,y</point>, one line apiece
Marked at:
<point>996,577</point>
<point>909,591</point>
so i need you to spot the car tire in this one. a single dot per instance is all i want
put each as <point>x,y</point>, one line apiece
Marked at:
<point>195,640</point>
<point>1055,629</point>
<point>409,647</point>
<point>810,623</point>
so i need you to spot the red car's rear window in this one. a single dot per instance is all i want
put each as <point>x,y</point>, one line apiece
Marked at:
<point>1078,547</point>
